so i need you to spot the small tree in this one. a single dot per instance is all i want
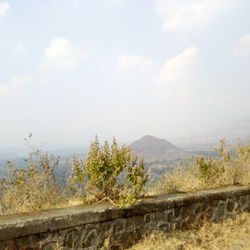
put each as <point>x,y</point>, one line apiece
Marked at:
<point>111,172</point>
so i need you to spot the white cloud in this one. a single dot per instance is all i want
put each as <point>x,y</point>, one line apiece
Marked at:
<point>16,85</point>
<point>18,50</point>
<point>184,15</point>
<point>127,63</point>
<point>242,46</point>
<point>60,52</point>
<point>177,74</point>
<point>4,7</point>
<point>179,68</point>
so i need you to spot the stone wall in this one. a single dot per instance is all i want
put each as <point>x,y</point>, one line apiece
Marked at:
<point>105,227</point>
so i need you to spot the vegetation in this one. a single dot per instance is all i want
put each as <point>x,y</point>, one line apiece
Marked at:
<point>32,187</point>
<point>231,234</point>
<point>231,166</point>
<point>109,172</point>
<point>114,173</point>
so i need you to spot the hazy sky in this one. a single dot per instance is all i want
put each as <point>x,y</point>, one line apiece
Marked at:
<point>70,69</point>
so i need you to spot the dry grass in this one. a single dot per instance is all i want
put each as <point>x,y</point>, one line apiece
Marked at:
<point>34,199</point>
<point>179,180</point>
<point>230,167</point>
<point>231,234</point>
<point>31,188</point>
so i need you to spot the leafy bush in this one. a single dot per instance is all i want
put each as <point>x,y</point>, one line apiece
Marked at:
<point>109,172</point>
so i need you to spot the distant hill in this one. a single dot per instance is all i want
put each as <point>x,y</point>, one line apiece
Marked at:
<point>156,149</point>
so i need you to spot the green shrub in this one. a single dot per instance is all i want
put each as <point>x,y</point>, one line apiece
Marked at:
<point>109,172</point>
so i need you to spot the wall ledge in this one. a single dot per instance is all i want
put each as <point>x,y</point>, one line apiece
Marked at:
<point>20,225</point>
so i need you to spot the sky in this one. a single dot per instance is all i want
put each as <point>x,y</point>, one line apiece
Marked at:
<point>71,69</point>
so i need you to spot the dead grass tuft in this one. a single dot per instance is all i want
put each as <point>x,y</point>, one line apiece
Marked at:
<point>231,234</point>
